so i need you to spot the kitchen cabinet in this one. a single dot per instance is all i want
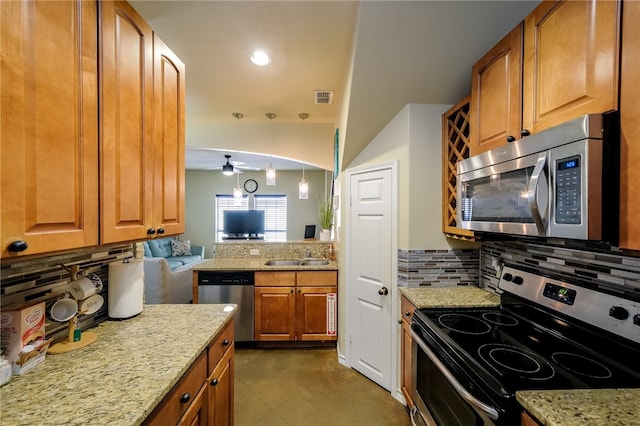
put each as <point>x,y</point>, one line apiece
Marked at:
<point>561,63</point>
<point>527,419</point>
<point>49,128</point>
<point>630,127</point>
<point>295,305</point>
<point>570,65</point>
<point>407,308</point>
<point>455,147</point>
<point>142,131</point>
<point>496,94</point>
<point>204,394</point>
<point>58,153</point>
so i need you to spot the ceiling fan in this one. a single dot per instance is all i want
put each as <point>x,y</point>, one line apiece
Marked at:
<point>231,167</point>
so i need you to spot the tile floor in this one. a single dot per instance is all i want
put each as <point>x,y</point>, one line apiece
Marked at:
<point>305,387</point>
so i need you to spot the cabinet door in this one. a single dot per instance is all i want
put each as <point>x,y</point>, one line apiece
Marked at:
<point>316,313</point>
<point>196,414</point>
<point>49,128</point>
<point>570,61</point>
<point>126,124</point>
<point>407,309</point>
<point>220,398</point>
<point>169,144</point>
<point>317,278</point>
<point>275,311</point>
<point>630,127</point>
<point>496,94</point>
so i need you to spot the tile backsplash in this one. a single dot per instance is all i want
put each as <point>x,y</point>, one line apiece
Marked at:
<point>438,268</point>
<point>45,279</point>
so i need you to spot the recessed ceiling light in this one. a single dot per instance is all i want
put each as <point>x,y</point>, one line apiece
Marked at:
<point>259,58</point>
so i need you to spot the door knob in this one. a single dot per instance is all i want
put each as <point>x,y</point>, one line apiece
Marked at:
<point>383,291</point>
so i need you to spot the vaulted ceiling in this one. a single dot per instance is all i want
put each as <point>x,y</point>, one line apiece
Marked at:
<point>376,57</point>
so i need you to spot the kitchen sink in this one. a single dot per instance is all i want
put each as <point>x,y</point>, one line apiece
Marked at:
<point>296,262</point>
<point>282,262</point>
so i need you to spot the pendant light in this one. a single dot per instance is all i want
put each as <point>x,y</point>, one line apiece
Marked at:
<point>303,185</point>
<point>237,190</point>
<point>271,171</point>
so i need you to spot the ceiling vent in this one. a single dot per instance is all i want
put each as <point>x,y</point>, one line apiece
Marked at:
<point>323,96</point>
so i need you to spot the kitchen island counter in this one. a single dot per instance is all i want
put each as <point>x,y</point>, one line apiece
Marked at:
<point>121,377</point>
<point>257,264</point>
<point>593,407</point>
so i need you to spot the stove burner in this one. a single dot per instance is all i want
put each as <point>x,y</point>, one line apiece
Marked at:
<point>581,365</point>
<point>507,359</point>
<point>465,324</point>
<point>499,318</point>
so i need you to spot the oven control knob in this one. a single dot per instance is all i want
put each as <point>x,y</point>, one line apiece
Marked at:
<point>507,276</point>
<point>518,280</point>
<point>636,319</point>
<point>619,313</point>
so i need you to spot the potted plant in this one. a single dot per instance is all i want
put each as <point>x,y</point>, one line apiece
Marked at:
<point>325,214</point>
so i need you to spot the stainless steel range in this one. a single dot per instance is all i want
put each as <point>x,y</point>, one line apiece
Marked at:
<point>546,334</point>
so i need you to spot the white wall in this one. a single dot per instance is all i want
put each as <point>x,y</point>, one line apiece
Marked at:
<point>202,187</point>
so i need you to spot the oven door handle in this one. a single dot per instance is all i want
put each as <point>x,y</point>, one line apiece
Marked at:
<point>490,411</point>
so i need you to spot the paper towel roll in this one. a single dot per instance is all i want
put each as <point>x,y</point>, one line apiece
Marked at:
<point>126,289</point>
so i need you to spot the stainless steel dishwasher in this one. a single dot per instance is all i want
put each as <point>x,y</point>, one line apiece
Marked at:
<point>230,287</point>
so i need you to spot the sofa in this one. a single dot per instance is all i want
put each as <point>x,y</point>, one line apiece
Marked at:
<point>168,264</point>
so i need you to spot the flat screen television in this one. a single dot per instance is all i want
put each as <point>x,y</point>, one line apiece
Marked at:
<point>243,223</point>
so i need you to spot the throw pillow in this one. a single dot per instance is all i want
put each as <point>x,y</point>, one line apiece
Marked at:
<point>181,248</point>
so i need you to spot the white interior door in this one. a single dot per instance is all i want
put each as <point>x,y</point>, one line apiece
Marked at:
<point>370,268</point>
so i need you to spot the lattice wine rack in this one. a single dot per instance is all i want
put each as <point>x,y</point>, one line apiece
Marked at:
<point>455,147</point>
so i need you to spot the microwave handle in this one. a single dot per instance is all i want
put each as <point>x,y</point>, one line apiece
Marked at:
<point>532,193</point>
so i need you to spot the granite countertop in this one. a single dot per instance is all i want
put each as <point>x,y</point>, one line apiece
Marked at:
<point>450,297</point>
<point>593,407</point>
<point>256,264</point>
<point>121,377</point>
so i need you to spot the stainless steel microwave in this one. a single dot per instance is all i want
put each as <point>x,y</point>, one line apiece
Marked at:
<point>560,183</point>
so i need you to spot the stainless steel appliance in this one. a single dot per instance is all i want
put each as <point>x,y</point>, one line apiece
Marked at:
<point>231,287</point>
<point>562,182</point>
<point>546,334</point>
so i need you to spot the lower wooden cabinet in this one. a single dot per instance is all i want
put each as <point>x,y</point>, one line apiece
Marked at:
<point>296,305</point>
<point>407,309</point>
<point>527,419</point>
<point>204,394</point>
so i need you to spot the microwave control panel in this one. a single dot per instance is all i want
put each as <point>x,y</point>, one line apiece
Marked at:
<point>568,196</point>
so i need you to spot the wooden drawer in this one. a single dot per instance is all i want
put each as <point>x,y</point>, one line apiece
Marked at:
<point>317,278</point>
<point>219,346</point>
<point>179,399</point>
<point>275,279</point>
<point>407,309</point>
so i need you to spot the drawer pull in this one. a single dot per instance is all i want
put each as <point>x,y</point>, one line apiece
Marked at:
<point>225,342</point>
<point>408,314</point>
<point>185,398</point>
<point>18,246</point>
<point>214,382</point>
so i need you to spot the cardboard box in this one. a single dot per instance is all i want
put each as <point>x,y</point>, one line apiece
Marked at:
<point>22,325</point>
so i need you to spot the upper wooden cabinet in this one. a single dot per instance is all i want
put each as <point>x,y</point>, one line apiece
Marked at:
<point>571,57</point>
<point>142,133</point>
<point>560,64</point>
<point>127,120</point>
<point>630,127</point>
<point>49,133</point>
<point>496,94</point>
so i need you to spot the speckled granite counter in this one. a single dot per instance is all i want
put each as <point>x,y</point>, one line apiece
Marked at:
<point>256,264</point>
<point>599,407</point>
<point>447,297</point>
<point>121,377</point>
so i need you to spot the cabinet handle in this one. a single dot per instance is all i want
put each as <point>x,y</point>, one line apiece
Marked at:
<point>214,382</point>
<point>160,231</point>
<point>151,231</point>
<point>510,138</point>
<point>225,342</point>
<point>524,133</point>
<point>291,290</point>
<point>408,314</point>
<point>185,398</point>
<point>18,246</point>
<point>400,321</point>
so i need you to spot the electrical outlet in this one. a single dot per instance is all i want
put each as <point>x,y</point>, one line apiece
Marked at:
<point>254,252</point>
